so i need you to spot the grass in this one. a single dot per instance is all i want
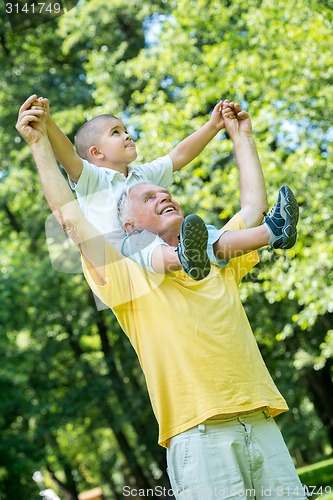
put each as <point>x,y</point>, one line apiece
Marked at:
<point>319,479</point>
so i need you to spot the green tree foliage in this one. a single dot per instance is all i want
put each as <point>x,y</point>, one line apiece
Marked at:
<point>73,399</point>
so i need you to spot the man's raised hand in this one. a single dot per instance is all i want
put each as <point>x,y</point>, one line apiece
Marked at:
<point>31,123</point>
<point>236,120</point>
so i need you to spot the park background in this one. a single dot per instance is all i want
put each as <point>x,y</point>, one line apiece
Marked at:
<point>73,402</point>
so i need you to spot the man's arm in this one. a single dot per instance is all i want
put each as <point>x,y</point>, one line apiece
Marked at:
<point>31,125</point>
<point>192,146</point>
<point>62,147</point>
<point>253,195</point>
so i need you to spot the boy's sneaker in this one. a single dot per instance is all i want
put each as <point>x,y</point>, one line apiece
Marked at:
<point>192,247</point>
<point>282,220</point>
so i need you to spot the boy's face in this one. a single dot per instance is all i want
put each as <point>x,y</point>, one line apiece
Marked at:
<point>154,210</point>
<point>115,144</point>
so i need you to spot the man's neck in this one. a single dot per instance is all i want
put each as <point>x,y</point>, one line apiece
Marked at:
<point>171,237</point>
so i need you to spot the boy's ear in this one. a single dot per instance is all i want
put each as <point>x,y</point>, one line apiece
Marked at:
<point>95,152</point>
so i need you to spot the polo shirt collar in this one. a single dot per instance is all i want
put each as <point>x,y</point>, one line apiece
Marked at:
<point>114,173</point>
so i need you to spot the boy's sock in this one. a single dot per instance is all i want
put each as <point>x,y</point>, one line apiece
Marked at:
<point>282,220</point>
<point>192,247</point>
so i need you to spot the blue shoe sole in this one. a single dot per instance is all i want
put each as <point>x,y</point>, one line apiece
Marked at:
<point>290,211</point>
<point>192,248</point>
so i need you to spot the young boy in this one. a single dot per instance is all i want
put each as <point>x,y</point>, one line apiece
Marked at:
<point>100,174</point>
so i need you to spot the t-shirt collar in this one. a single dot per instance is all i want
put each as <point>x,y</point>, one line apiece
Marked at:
<point>114,173</point>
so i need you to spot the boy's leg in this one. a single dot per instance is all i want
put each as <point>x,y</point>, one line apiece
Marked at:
<point>278,230</point>
<point>190,254</point>
<point>152,253</point>
<point>165,259</point>
<point>234,243</point>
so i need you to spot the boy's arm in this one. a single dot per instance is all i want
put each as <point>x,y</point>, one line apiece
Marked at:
<point>253,196</point>
<point>64,151</point>
<point>192,146</point>
<point>32,127</point>
<point>62,147</point>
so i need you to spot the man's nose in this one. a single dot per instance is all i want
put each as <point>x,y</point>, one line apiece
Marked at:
<point>164,197</point>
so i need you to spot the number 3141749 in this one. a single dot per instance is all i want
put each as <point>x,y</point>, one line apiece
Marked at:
<point>33,8</point>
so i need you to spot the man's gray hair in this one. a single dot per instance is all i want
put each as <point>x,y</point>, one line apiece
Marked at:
<point>125,204</point>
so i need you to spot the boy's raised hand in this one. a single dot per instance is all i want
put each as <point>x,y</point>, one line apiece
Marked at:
<point>44,104</point>
<point>236,120</point>
<point>216,118</point>
<point>31,123</point>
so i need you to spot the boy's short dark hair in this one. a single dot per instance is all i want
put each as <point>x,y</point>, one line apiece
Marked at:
<point>87,135</point>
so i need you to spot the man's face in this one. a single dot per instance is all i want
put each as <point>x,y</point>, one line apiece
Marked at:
<point>115,143</point>
<point>154,210</point>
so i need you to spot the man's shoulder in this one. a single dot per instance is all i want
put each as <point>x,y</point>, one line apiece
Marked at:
<point>242,265</point>
<point>125,280</point>
<point>236,222</point>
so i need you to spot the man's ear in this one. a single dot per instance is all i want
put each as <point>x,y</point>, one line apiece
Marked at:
<point>95,152</point>
<point>129,226</point>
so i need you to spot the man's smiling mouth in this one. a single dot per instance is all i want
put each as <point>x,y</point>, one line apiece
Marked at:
<point>167,210</point>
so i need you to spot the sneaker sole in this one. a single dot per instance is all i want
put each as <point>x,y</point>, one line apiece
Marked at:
<point>290,211</point>
<point>194,239</point>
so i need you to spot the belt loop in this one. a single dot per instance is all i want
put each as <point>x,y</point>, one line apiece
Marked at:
<point>267,414</point>
<point>202,428</point>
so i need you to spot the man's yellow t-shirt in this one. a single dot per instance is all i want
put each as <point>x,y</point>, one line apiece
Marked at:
<point>193,340</point>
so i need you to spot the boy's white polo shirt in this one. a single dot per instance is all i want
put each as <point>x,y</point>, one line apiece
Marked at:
<point>99,189</point>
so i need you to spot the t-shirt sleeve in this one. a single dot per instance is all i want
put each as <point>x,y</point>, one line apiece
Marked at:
<point>158,171</point>
<point>243,264</point>
<point>92,180</point>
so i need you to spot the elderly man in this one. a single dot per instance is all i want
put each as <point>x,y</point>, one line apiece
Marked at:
<point>211,392</point>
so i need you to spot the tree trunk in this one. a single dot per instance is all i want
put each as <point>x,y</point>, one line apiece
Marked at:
<point>321,389</point>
